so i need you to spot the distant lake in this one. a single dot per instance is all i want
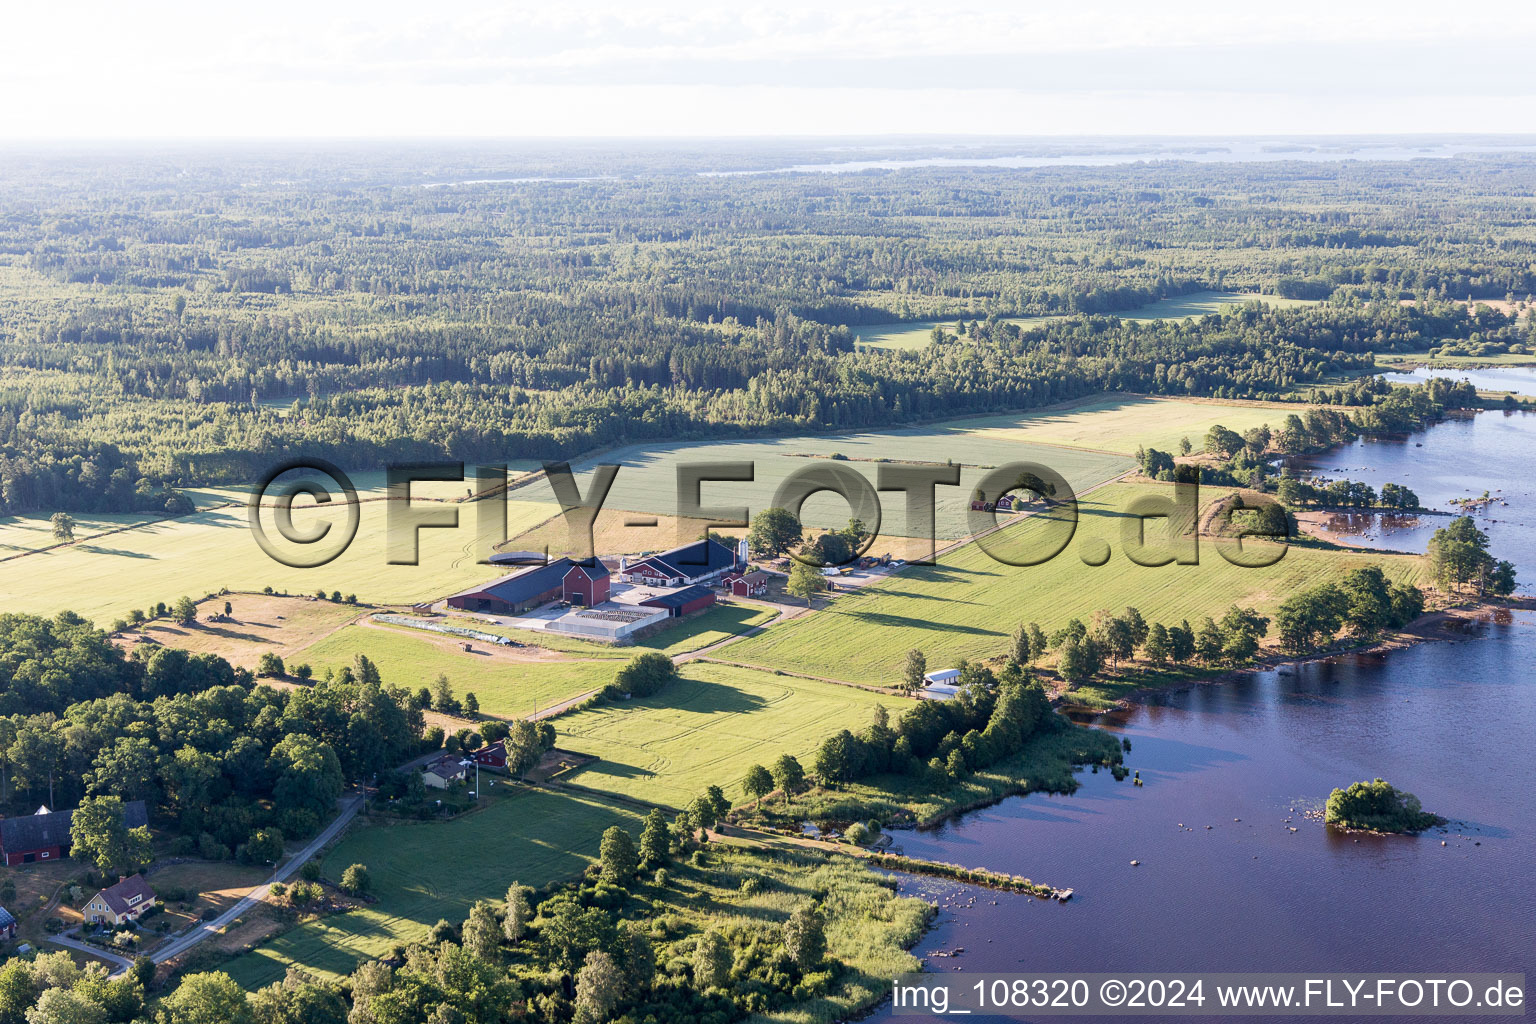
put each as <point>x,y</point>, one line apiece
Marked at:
<point>1519,379</point>
<point>1205,152</point>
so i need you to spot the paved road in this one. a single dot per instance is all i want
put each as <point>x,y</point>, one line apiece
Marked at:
<point>119,963</point>
<point>199,932</point>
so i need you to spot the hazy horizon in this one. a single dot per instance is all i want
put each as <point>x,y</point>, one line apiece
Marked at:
<point>685,69</point>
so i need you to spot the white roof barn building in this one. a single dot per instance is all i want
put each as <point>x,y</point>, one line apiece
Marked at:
<point>943,684</point>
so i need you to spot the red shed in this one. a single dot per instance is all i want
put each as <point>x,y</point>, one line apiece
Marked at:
<point>585,584</point>
<point>682,602</point>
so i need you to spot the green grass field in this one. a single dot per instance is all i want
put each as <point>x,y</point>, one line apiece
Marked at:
<point>530,836</point>
<point>918,334</point>
<point>647,481</point>
<point>214,549</point>
<point>714,624</point>
<point>1124,423</point>
<point>708,728</point>
<point>34,532</point>
<point>1409,360</point>
<point>414,658</point>
<point>913,335</point>
<point>966,606</point>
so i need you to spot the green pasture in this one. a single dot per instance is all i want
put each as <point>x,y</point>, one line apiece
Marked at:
<point>919,334</point>
<point>680,636</point>
<point>413,658</point>
<point>1123,423</point>
<point>425,871</point>
<point>1204,303</point>
<point>213,549</point>
<point>647,479</point>
<point>708,728</point>
<point>966,606</point>
<point>34,532</point>
<point>913,335</point>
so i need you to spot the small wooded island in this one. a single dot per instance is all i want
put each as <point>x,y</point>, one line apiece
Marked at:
<point>1378,807</point>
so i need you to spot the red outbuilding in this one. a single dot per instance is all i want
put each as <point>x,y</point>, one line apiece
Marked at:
<point>491,756</point>
<point>585,585</point>
<point>682,602</point>
<point>753,584</point>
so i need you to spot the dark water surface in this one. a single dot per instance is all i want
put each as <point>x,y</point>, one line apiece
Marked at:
<point>1458,458</point>
<point>1453,722</point>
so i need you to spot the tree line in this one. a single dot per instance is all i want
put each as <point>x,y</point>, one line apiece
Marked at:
<point>221,762</point>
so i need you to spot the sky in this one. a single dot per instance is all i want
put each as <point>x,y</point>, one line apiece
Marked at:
<point>571,68</point>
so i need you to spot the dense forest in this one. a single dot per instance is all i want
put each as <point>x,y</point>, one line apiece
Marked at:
<point>224,765</point>
<point>201,313</point>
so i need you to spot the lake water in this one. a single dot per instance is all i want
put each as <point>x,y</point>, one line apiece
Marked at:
<point>1267,887</point>
<point>1458,458</point>
<point>1204,151</point>
<point>1520,380</point>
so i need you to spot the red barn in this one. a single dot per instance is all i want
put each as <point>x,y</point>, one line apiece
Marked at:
<point>585,584</point>
<point>698,562</point>
<point>45,835</point>
<point>682,602</point>
<point>520,592</point>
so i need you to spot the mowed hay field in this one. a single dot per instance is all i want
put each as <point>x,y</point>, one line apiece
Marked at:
<point>33,532</point>
<point>425,871</point>
<point>966,606</point>
<point>1125,423</point>
<point>103,578</point>
<point>261,623</point>
<point>509,682</point>
<point>647,479</point>
<point>214,549</point>
<point>707,728</point>
<point>1204,303</point>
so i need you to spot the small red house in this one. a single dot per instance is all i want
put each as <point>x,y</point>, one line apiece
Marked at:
<point>491,756</point>
<point>585,585</point>
<point>753,584</point>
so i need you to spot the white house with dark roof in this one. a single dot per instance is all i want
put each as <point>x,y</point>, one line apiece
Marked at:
<point>446,771</point>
